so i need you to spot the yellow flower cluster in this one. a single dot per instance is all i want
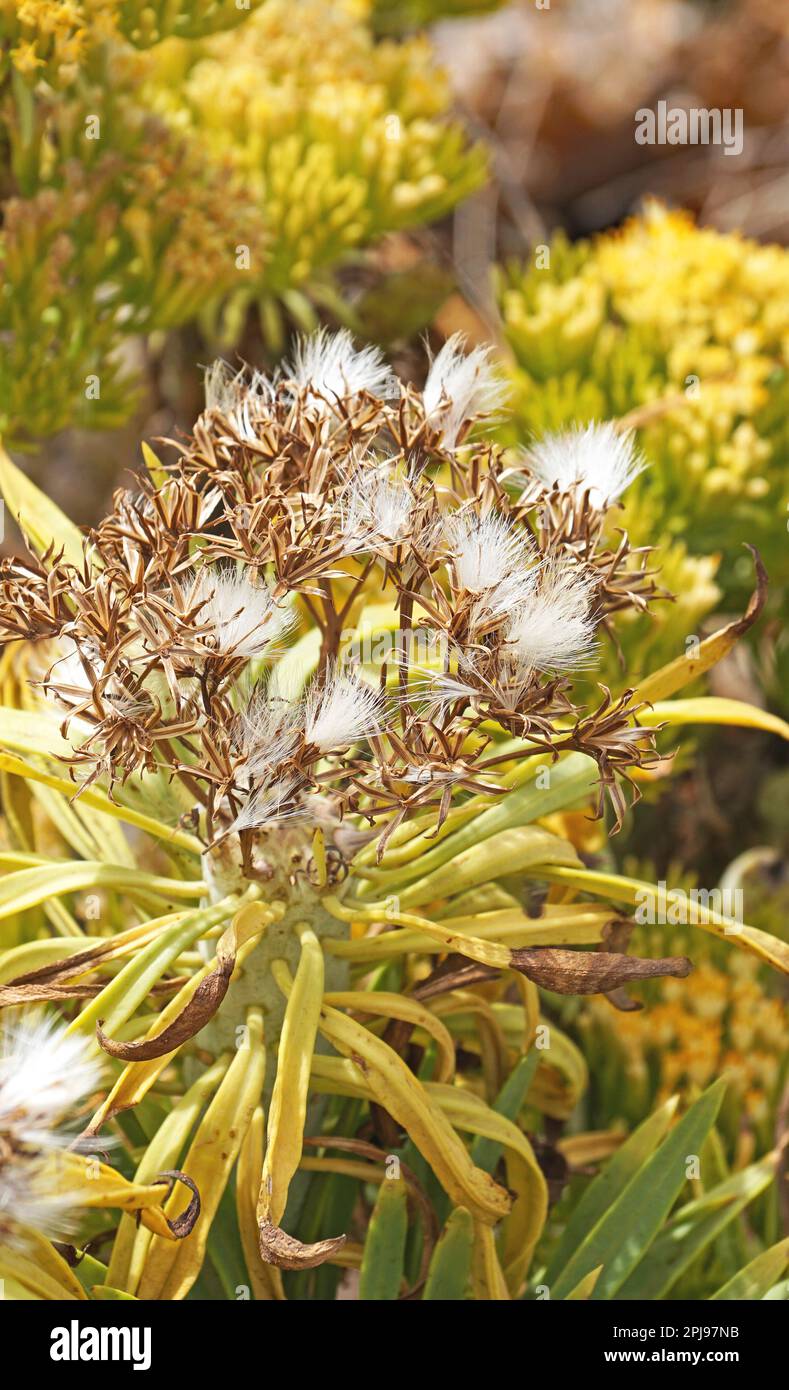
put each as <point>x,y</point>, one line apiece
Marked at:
<point>687,331</point>
<point>54,39</point>
<point>159,170</point>
<point>338,138</point>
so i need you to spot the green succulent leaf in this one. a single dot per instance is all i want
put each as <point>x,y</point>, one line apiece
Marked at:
<point>384,1249</point>
<point>450,1264</point>
<point>627,1228</point>
<point>757,1279</point>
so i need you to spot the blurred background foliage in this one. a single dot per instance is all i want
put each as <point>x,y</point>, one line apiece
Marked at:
<point>684,331</point>
<point>157,172</point>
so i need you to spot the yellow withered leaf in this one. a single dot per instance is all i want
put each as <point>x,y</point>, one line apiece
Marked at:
<point>99,800</point>
<point>525,1223</point>
<point>684,669</point>
<point>712,709</point>
<point>93,1184</point>
<point>394,1086</point>
<point>170,1271</point>
<point>382,1004</point>
<point>130,1246</point>
<point>635,893</point>
<point>39,519</point>
<point>487,1278</point>
<point>288,1108</point>
<point>266,1280</point>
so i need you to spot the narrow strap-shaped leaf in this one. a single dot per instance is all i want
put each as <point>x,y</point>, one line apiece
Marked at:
<point>170,1271</point>
<point>163,1152</point>
<point>757,1278</point>
<point>525,1223</point>
<point>585,1287</point>
<point>450,1265</point>
<point>614,1177</point>
<point>28,887</point>
<point>508,1102</point>
<point>40,520</point>
<point>636,893</point>
<point>570,780</point>
<point>382,1271</point>
<point>713,709</point>
<point>684,669</point>
<point>394,1086</point>
<point>692,1229</point>
<point>627,1228</point>
<point>288,1108</point>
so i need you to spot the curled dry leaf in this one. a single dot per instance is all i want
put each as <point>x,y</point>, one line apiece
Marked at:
<point>184,1224</point>
<point>13,995</point>
<point>200,1009</point>
<point>284,1251</point>
<point>591,972</point>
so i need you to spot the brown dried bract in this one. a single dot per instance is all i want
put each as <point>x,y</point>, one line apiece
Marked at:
<point>284,1251</point>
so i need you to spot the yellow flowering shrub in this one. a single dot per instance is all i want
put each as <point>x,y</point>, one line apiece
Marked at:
<point>685,331</point>
<point>157,170</point>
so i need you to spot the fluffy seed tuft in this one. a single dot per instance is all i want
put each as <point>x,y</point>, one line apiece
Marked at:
<point>595,456</point>
<point>329,368</point>
<point>459,387</point>
<point>343,711</point>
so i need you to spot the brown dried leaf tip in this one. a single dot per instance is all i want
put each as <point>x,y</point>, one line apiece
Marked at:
<point>591,972</point>
<point>184,1224</point>
<point>284,1251</point>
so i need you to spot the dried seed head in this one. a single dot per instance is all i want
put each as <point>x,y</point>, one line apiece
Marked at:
<point>328,368</point>
<point>597,458</point>
<point>460,387</point>
<point>292,487</point>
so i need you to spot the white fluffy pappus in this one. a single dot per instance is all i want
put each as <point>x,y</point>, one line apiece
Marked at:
<point>45,1077</point>
<point>67,679</point>
<point>375,506</point>
<point>267,733</point>
<point>599,458</point>
<point>460,386</point>
<point>553,629</point>
<point>330,368</point>
<point>486,550</point>
<point>241,616</point>
<point>436,691</point>
<point>268,803</point>
<point>343,711</point>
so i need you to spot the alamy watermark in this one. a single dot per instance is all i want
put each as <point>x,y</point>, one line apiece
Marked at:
<point>80,1343</point>
<point>419,647</point>
<point>694,125</point>
<point>674,907</point>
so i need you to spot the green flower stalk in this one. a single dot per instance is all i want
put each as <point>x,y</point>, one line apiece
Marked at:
<point>321,662</point>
